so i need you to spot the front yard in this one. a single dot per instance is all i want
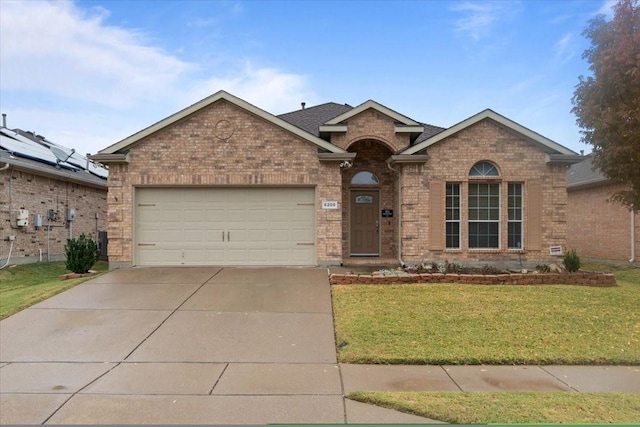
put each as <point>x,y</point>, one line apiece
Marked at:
<point>477,324</point>
<point>501,324</point>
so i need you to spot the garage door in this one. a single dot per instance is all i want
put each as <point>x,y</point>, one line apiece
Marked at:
<point>225,226</point>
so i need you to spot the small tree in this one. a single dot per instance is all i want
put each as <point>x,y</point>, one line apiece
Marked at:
<point>571,261</point>
<point>82,253</point>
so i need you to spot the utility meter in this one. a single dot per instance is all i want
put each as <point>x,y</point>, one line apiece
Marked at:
<point>22,217</point>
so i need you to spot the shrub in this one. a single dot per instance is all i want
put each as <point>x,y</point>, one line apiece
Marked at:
<point>571,261</point>
<point>81,253</point>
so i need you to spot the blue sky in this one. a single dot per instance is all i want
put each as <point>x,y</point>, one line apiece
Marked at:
<point>87,74</point>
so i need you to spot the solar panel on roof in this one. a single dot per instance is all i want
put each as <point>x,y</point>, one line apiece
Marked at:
<point>46,151</point>
<point>15,143</point>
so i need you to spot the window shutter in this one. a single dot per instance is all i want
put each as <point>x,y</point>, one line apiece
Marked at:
<point>436,216</point>
<point>533,200</point>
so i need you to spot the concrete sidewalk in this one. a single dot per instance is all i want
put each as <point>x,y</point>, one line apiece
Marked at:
<point>220,346</point>
<point>491,378</point>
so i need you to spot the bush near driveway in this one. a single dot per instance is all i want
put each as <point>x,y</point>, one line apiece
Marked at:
<point>462,324</point>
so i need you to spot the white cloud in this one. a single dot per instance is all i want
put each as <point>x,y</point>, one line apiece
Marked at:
<point>55,48</point>
<point>267,88</point>
<point>66,73</point>
<point>479,18</point>
<point>565,48</point>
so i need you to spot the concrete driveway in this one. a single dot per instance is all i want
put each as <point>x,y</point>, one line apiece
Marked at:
<point>180,346</point>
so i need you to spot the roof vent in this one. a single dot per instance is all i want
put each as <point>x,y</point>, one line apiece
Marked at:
<point>303,104</point>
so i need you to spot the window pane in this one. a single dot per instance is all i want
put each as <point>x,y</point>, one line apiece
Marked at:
<point>453,235</point>
<point>515,235</point>
<point>484,235</point>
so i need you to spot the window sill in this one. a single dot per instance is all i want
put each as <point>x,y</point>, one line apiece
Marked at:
<point>485,251</point>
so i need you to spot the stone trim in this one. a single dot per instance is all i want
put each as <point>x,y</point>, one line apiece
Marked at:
<point>585,278</point>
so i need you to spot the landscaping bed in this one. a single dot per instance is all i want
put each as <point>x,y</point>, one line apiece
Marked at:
<point>583,278</point>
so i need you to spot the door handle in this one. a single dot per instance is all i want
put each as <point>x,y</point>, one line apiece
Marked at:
<point>377,226</point>
<point>228,236</point>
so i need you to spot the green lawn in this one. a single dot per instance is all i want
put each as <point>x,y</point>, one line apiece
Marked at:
<point>24,285</point>
<point>473,324</point>
<point>456,324</point>
<point>511,408</point>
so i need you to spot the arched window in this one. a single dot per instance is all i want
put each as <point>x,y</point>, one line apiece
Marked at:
<point>364,178</point>
<point>484,207</point>
<point>484,170</point>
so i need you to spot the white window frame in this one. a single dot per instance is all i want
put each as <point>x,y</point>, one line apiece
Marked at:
<point>458,221</point>
<point>515,221</point>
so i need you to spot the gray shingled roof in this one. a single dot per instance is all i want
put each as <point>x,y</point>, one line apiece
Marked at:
<point>310,119</point>
<point>582,174</point>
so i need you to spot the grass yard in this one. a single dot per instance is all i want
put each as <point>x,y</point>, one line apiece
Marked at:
<point>27,284</point>
<point>511,408</point>
<point>476,324</point>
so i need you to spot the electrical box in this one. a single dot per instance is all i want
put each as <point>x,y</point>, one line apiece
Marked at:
<point>71,215</point>
<point>22,217</point>
<point>52,215</point>
<point>38,221</point>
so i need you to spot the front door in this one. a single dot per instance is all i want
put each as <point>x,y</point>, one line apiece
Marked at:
<point>365,223</point>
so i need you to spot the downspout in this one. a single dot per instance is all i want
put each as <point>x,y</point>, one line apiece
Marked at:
<point>633,235</point>
<point>399,216</point>
<point>5,167</point>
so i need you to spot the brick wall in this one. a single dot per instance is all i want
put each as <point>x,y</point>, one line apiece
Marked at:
<point>25,190</point>
<point>451,160</point>
<point>598,228</point>
<point>223,145</point>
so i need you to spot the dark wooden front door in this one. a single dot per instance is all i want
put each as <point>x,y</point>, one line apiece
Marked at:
<point>365,223</point>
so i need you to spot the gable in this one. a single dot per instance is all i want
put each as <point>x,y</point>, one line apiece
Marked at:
<point>123,145</point>
<point>555,152</point>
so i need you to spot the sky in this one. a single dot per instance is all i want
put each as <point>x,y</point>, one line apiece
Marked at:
<point>87,74</point>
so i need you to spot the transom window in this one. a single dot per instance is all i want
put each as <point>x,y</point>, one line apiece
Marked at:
<point>364,178</point>
<point>484,170</point>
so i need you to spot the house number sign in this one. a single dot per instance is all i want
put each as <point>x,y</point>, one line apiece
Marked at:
<point>329,204</point>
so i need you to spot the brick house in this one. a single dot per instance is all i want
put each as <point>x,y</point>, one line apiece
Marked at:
<point>223,182</point>
<point>598,228</point>
<point>45,200</point>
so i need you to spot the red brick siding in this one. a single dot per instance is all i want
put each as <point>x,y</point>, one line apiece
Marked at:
<point>37,194</point>
<point>451,160</point>
<point>191,152</point>
<point>599,228</point>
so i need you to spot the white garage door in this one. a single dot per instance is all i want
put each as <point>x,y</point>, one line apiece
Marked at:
<point>225,226</point>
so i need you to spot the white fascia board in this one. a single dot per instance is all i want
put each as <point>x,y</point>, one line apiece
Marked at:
<point>336,157</point>
<point>333,128</point>
<point>409,129</point>
<point>378,107</point>
<point>490,114</point>
<point>127,142</point>
<point>564,159</point>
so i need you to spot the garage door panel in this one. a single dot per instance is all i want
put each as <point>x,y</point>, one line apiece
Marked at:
<point>225,226</point>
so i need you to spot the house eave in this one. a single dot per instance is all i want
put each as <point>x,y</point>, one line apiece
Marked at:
<point>407,159</point>
<point>332,128</point>
<point>563,159</point>
<point>336,157</point>
<point>106,158</point>
<point>409,129</point>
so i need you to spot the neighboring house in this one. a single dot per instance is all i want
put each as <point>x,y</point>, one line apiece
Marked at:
<point>47,194</point>
<point>597,227</point>
<point>223,182</point>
